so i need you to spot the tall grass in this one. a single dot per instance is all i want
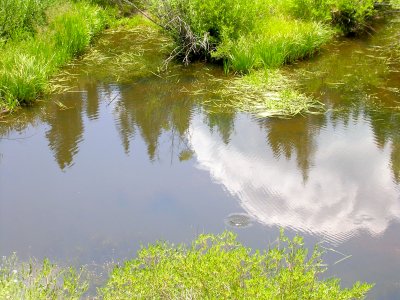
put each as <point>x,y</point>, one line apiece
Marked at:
<point>274,43</point>
<point>25,66</point>
<point>20,17</point>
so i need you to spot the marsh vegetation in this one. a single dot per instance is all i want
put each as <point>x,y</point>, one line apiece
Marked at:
<point>213,267</point>
<point>40,37</point>
<point>37,45</point>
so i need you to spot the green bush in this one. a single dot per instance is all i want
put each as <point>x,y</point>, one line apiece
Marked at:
<point>219,267</point>
<point>199,26</point>
<point>352,16</point>
<point>349,15</point>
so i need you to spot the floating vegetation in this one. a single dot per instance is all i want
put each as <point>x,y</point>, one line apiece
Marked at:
<point>265,93</point>
<point>124,53</point>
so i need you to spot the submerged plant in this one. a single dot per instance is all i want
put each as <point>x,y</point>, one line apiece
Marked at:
<point>219,267</point>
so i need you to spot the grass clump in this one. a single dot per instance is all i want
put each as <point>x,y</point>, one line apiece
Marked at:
<point>278,41</point>
<point>219,267</point>
<point>21,17</point>
<point>35,281</point>
<point>26,65</point>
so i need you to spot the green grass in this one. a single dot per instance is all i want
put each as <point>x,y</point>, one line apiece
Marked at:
<point>259,34</point>
<point>276,42</point>
<point>245,33</point>
<point>219,267</point>
<point>19,18</point>
<point>26,65</point>
<point>34,281</point>
<point>213,267</point>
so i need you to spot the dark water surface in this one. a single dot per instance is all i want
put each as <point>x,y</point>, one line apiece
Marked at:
<point>125,163</point>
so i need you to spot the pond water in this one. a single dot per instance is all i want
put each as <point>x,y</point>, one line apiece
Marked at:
<point>114,164</point>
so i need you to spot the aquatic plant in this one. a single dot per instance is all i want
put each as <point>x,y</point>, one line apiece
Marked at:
<point>264,93</point>
<point>219,267</point>
<point>37,281</point>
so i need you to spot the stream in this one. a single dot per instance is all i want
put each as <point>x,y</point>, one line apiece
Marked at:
<point>113,164</point>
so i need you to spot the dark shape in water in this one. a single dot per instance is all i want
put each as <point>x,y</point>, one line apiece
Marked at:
<point>240,220</point>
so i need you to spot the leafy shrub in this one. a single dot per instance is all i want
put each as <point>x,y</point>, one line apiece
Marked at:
<point>198,26</point>
<point>352,16</point>
<point>349,15</point>
<point>219,267</point>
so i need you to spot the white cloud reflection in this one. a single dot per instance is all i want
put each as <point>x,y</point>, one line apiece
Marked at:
<point>349,187</point>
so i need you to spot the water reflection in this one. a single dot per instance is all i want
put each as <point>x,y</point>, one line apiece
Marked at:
<point>99,178</point>
<point>333,174</point>
<point>66,130</point>
<point>349,186</point>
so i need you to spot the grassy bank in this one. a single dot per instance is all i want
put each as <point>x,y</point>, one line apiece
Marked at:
<point>255,33</point>
<point>246,36</point>
<point>34,48</point>
<point>38,37</point>
<point>213,267</point>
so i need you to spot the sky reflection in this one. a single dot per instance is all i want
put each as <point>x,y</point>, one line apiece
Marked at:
<point>349,187</point>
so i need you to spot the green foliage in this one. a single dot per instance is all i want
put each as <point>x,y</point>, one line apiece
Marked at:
<point>243,33</point>
<point>219,267</point>
<point>20,17</point>
<point>35,281</point>
<point>349,15</point>
<point>26,65</point>
<point>276,42</point>
<point>316,10</point>
<point>216,18</point>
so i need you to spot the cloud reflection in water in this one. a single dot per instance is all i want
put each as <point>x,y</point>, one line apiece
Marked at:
<point>349,186</point>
